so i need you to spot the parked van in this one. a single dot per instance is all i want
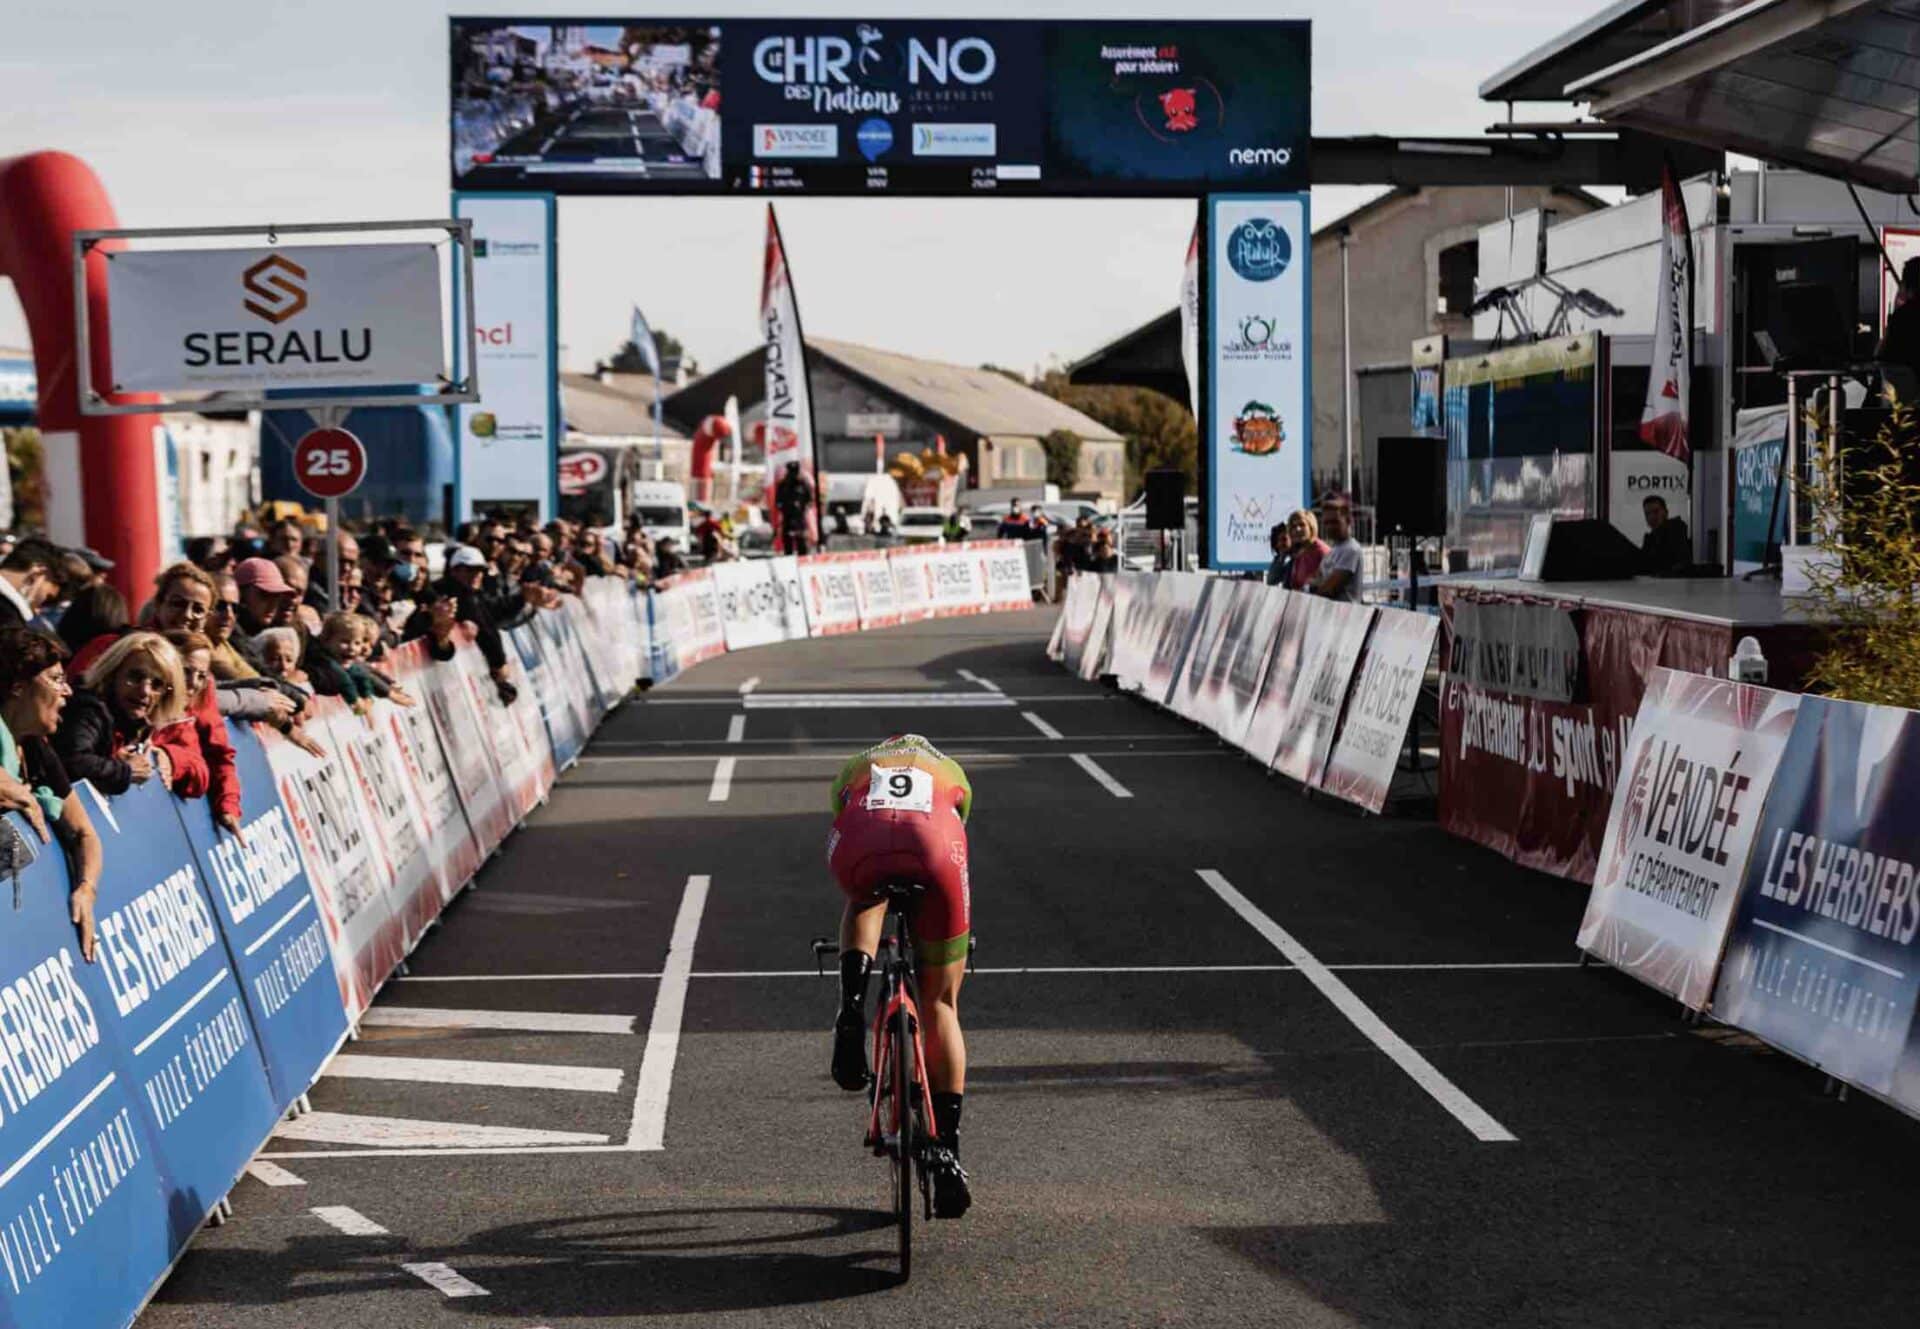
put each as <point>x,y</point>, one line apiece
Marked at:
<point>661,507</point>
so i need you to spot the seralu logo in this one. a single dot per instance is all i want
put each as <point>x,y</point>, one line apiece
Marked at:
<point>280,284</point>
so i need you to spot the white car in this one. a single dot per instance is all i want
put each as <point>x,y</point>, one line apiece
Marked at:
<point>922,526</point>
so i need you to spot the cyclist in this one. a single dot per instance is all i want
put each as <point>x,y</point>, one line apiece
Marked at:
<point>900,815</point>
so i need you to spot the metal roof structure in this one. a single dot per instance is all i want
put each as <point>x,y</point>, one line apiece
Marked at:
<point>620,406</point>
<point>1832,86</point>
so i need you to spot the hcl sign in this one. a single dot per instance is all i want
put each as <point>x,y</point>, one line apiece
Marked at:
<point>968,60</point>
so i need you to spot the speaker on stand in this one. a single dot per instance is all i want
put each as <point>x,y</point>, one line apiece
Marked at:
<point>1167,511</point>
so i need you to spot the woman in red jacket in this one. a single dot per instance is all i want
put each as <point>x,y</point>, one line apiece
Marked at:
<point>202,751</point>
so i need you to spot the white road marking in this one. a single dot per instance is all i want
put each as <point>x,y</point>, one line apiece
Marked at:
<point>838,756</point>
<point>1449,1095</point>
<point>445,1279</point>
<point>1046,730</point>
<point>1830,950</point>
<point>722,780</point>
<point>1465,966</point>
<point>181,1014</point>
<point>454,1151</point>
<point>649,1129</point>
<point>746,688</point>
<point>272,1174</point>
<point>350,1221</point>
<point>977,681</point>
<point>531,1022</point>
<point>868,701</point>
<point>664,745</point>
<point>820,698</point>
<point>505,1074</point>
<point>385,1133</point>
<point>1107,782</point>
<point>737,728</point>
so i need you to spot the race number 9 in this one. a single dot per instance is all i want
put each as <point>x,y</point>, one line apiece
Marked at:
<point>900,789</point>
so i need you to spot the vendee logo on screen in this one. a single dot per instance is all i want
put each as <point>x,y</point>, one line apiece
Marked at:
<point>1259,249</point>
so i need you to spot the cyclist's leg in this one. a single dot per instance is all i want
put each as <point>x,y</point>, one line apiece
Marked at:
<point>940,1022</point>
<point>850,858</point>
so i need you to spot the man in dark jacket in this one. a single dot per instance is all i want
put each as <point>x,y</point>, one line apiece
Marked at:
<point>27,581</point>
<point>793,496</point>
<point>1666,547</point>
<point>466,567</point>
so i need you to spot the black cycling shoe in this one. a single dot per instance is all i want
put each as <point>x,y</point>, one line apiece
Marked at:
<point>951,1195</point>
<point>850,1052</point>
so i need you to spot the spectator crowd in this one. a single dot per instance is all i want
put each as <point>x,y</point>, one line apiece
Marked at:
<point>245,628</point>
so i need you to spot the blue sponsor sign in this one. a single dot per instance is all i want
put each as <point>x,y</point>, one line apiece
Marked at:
<point>663,653</point>
<point>1824,957</point>
<point>276,939</point>
<point>190,1059</point>
<point>875,136</point>
<point>81,1185</point>
<point>556,707</point>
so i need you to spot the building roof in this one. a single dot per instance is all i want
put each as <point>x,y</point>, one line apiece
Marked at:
<point>975,401</point>
<point>620,407</point>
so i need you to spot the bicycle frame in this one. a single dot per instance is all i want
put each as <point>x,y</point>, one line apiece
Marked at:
<point>897,992</point>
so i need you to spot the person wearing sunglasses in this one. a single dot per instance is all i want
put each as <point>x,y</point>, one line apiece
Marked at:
<point>33,695</point>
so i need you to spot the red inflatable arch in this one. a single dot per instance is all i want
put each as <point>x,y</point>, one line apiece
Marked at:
<point>103,488</point>
<point>706,441</point>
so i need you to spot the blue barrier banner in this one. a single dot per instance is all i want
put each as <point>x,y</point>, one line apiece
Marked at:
<point>81,1190</point>
<point>663,653</point>
<point>1824,959</point>
<point>189,1056</point>
<point>271,919</point>
<point>550,689</point>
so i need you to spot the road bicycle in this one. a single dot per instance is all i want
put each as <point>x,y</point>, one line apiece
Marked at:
<point>900,1105</point>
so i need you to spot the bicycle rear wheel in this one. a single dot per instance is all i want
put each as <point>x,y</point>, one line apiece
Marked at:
<point>905,1143</point>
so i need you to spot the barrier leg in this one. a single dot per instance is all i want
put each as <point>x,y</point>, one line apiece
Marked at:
<point>303,1104</point>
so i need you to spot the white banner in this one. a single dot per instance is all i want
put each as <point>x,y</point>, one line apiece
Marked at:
<point>1190,320</point>
<point>1257,432</point>
<point>832,594</point>
<point>1391,673</point>
<point>752,610</point>
<point>958,582</point>
<point>785,573</point>
<point>1247,664</point>
<point>507,443</point>
<point>873,584</point>
<point>1333,648</point>
<point>789,410</point>
<point>912,584</point>
<point>1697,769</point>
<point>1003,567</point>
<point>247,320</point>
<point>1133,626</point>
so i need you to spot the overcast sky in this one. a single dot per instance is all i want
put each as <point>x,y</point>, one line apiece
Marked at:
<point>221,112</point>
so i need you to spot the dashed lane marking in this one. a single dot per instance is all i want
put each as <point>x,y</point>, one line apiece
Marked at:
<point>655,1082</point>
<point>502,1074</point>
<point>978,681</point>
<point>445,1279</point>
<point>746,688</point>
<point>1046,730</point>
<point>350,1221</point>
<point>382,1134</point>
<point>1106,782</point>
<point>868,701</point>
<point>531,1022</point>
<point>737,728</point>
<point>722,780</point>
<point>272,1174</point>
<point>1444,1091</point>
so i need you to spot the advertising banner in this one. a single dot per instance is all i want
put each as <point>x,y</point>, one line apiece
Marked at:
<point>1333,649</point>
<point>785,572</point>
<point>752,611</point>
<point>1824,958</point>
<point>442,686</point>
<point>1256,440</point>
<point>1176,600</point>
<point>1529,650</point>
<point>789,398</point>
<point>1077,609</point>
<point>1267,723</point>
<point>957,580</point>
<point>1247,656</point>
<point>1698,768</point>
<point>246,320</point>
<point>1193,691</point>
<point>562,706</point>
<point>450,842</point>
<point>1096,656</point>
<point>584,656</point>
<point>1392,672</point>
<point>1133,628</point>
<point>1759,444</point>
<point>912,584</point>
<point>873,586</point>
<point>329,822</point>
<point>187,1046</point>
<point>447,769</point>
<point>516,738</point>
<point>1533,778</point>
<point>76,1144</point>
<point>276,940</point>
<point>506,445</point>
<point>694,612</point>
<point>833,599</point>
<point>1003,570</point>
<point>399,828</point>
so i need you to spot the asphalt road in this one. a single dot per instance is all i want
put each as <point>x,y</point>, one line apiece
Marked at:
<point>1167,1121</point>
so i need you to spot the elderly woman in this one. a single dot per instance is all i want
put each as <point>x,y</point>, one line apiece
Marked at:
<point>33,692</point>
<point>135,688</point>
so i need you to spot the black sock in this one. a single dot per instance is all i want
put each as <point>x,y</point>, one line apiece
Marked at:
<point>854,968</point>
<point>946,1120</point>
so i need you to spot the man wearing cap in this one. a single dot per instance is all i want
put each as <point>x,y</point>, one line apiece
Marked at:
<point>466,568</point>
<point>266,601</point>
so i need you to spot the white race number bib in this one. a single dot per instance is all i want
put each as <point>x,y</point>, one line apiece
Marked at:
<point>900,789</point>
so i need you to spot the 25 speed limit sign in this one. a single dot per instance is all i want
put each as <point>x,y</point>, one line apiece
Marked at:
<point>329,463</point>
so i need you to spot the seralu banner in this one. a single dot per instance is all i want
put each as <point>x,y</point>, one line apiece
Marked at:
<point>1698,767</point>
<point>251,320</point>
<point>1256,433</point>
<point>789,417</point>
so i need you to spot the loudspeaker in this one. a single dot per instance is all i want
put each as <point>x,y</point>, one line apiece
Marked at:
<point>1412,487</point>
<point>1590,550</point>
<point>1166,500</point>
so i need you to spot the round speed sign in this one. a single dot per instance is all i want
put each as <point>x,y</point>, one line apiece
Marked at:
<point>329,463</point>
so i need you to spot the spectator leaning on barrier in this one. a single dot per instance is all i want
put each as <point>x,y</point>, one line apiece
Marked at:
<point>1306,551</point>
<point>1342,568</point>
<point>1103,559</point>
<point>27,581</point>
<point>33,696</point>
<point>106,736</point>
<point>200,741</point>
<point>465,568</point>
<point>266,601</point>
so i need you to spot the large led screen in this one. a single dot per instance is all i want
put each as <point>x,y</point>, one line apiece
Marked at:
<point>876,106</point>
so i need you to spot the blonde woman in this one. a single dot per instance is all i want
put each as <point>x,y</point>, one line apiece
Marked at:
<point>106,734</point>
<point>1305,549</point>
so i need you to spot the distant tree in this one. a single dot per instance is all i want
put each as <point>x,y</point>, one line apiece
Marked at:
<point>628,360</point>
<point>1062,447</point>
<point>1158,430</point>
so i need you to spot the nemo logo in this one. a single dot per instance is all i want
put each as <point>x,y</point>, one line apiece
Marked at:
<point>277,281</point>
